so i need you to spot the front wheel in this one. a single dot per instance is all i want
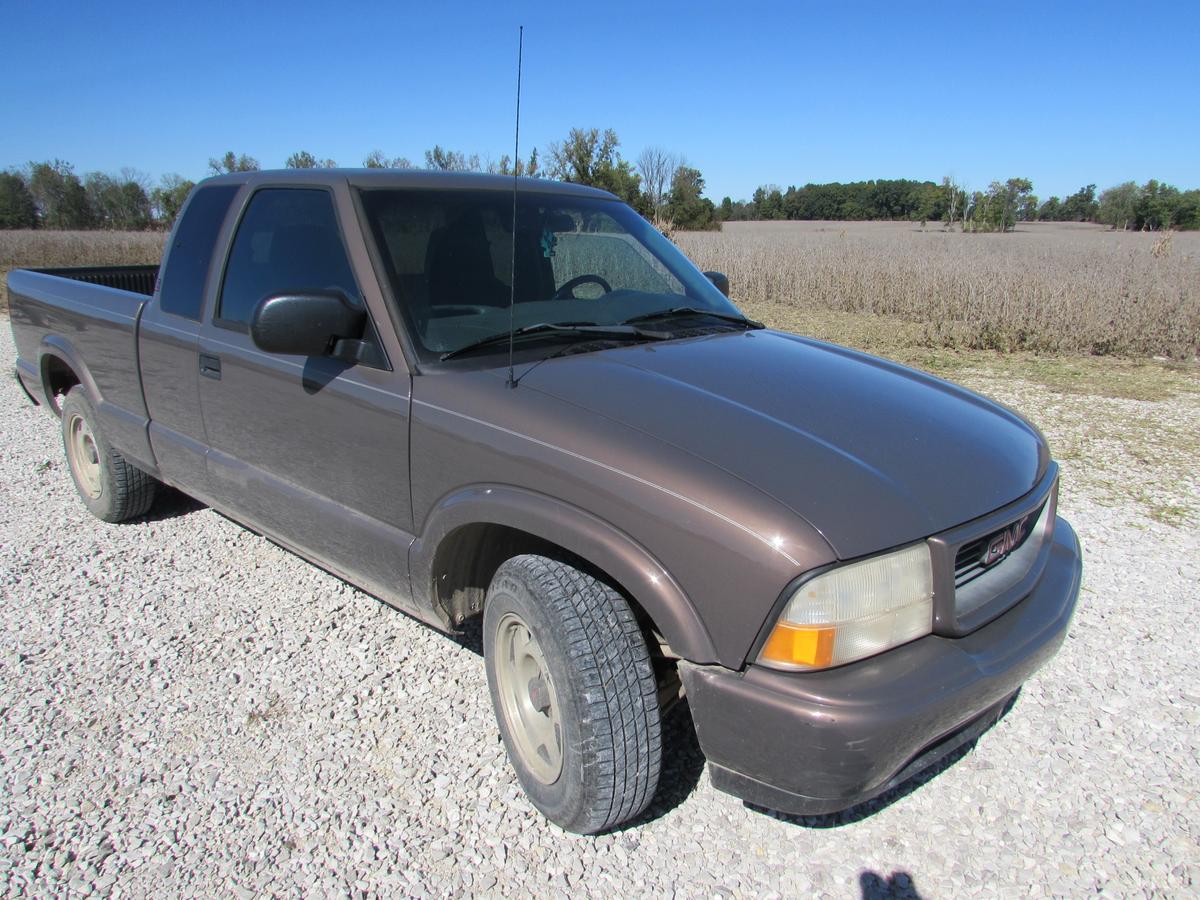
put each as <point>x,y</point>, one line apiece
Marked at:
<point>574,693</point>
<point>111,488</point>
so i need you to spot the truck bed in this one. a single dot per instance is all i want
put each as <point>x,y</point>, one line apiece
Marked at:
<point>84,320</point>
<point>134,279</point>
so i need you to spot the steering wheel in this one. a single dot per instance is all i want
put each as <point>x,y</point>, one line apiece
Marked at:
<point>567,291</point>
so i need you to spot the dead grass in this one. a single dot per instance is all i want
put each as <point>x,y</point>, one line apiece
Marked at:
<point>51,249</point>
<point>1049,288</point>
<point>895,338</point>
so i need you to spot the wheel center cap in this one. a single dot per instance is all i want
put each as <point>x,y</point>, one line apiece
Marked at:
<point>539,694</point>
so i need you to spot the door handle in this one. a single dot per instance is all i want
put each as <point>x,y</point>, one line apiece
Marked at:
<point>210,366</point>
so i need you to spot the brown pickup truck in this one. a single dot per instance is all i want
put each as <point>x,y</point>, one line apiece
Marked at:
<point>471,396</point>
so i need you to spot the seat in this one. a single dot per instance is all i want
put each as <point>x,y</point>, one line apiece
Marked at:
<point>459,268</point>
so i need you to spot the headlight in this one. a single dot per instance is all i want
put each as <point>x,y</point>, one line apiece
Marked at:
<point>854,611</point>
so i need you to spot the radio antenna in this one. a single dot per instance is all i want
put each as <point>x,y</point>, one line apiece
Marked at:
<point>512,287</point>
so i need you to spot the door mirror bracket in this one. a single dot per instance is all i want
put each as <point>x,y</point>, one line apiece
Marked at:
<point>356,352</point>
<point>719,281</point>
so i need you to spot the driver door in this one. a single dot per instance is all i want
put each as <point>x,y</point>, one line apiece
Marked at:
<point>311,451</point>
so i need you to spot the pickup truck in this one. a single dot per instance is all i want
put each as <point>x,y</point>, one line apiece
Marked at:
<point>474,396</point>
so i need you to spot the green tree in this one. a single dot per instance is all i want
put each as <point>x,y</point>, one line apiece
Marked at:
<point>17,209</point>
<point>770,206</point>
<point>120,204</point>
<point>232,163</point>
<point>583,155</point>
<point>1118,205</point>
<point>1051,210</point>
<point>1081,206</point>
<point>1187,211</point>
<point>725,212</point>
<point>590,157</point>
<point>1156,205</point>
<point>1001,203</point>
<point>168,198</point>
<point>687,209</point>
<point>59,196</point>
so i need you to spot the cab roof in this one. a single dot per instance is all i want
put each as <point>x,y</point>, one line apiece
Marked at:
<point>415,179</point>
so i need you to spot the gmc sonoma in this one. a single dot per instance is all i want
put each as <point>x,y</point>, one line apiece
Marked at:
<point>847,567</point>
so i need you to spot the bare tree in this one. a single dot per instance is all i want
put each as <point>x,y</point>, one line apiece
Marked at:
<point>305,160</point>
<point>232,163</point>
<point>445,160</point>
<point>657,168</point>
<point>378,160</point>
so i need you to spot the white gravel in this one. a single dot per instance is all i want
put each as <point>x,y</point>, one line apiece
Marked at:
<point>188,709</point>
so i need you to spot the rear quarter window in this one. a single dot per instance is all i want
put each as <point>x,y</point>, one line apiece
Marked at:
<point>191,251</point>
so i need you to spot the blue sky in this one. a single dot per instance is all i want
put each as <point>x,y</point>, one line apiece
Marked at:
<point>751,93</point>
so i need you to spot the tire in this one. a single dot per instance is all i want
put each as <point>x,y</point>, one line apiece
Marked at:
<point>587,670</point>
<point>111,488</point>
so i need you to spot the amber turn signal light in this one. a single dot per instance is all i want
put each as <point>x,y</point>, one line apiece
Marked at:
<point>800,645</point>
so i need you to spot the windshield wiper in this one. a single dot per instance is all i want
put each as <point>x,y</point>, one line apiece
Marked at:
<point>624,330</point>
<point>681,311</point>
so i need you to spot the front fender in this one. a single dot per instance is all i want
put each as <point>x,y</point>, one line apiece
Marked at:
<point>577,531</point>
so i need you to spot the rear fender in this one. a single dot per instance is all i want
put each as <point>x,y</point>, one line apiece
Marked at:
<point>56,347</point>
<point>126,431</point>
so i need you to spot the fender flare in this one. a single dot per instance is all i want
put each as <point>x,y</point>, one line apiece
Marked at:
<point>53,346</point>
<point>608,548</point>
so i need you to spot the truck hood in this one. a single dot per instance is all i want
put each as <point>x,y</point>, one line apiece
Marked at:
<point>868,452</point>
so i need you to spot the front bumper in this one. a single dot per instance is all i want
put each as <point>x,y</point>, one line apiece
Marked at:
<point>818,742</point>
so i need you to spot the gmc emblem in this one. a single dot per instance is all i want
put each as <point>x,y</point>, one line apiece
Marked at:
<point>1004,543</point>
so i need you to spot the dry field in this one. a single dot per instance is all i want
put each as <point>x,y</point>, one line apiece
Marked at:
<point>48,249</point>
<point>887,286</point>
<point>1047,288</point>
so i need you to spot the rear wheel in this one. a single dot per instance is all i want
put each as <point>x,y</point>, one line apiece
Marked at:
<point>111,488</point>
<point>574,693</point>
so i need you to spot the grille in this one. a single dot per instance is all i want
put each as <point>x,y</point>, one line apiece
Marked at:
<point>968,562</point>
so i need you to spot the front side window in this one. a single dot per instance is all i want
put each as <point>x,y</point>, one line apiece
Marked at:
<point>449,255</point>
<point>287,241</point>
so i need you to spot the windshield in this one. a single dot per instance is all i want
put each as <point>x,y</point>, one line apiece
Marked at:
<point>449,256</point>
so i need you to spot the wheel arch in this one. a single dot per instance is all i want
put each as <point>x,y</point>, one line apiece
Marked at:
<point>472,531</point>
<point>61,368</point>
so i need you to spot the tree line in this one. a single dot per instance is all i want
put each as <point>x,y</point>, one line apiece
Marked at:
<point>658,183</point>
<point>1149,207</point>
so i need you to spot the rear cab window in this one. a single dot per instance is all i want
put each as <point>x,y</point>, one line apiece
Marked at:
<point>190,255</point>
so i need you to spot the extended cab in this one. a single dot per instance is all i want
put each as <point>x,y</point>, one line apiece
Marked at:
<point>471,396</point>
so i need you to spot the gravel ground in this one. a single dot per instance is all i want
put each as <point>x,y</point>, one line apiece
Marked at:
<point>188,709</point>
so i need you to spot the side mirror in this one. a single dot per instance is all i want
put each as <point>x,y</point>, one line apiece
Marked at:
<point>719,280</point>
<point>306,324</point>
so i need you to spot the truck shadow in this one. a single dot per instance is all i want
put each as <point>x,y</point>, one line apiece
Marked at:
<point>682,767</point>
<point>170,504</point>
